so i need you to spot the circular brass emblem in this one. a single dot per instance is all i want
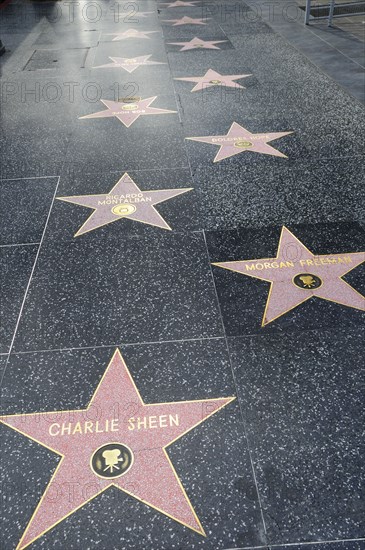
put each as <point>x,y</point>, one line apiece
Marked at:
<point>215,82</point>
<point>242,143</point>
<point>130,107</point>
<point>198,45</point>
<point>111,460</point>
<point>130,61</point>
<point>123,209</point>
<point>130,99</point>
<point>307,281</point>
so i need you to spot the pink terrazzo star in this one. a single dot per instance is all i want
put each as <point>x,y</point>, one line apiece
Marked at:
<point>239,140</point>
<point>124,200</point>
<point>187,21</point>
<point>212,78</point>
<point>128,113</point>
<point>296,275</point>
<point>132,33</point>
<point>178,4</point>
<point>197,43</point>
<point>129,64</point>
<point>125,448</point>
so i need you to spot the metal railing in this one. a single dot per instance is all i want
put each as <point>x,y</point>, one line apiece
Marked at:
<point>331,15</point>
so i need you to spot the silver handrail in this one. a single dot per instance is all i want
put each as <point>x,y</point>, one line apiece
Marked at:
<point>331,14</point>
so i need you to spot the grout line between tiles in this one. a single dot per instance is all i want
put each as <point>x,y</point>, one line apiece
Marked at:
<point>238,400</point>
<point>29,281</point>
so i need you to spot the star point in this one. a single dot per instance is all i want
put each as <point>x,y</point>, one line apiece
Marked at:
<point>178,4</point>
<point>124,201</point>
<point>240,140</point>
<point>296,275</point>
<point>128,453</point>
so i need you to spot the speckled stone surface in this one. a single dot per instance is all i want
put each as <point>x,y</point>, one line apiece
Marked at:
<point>16,265</point>
<point>24,207</point>
<point>302,398</point>
<point>262,192</point>
<point>83,295</point>
<point>170,372</point>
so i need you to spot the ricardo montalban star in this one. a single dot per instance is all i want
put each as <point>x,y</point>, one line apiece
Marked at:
<point>296,280</point>
<point>124,451</point>
<point>124,200</point>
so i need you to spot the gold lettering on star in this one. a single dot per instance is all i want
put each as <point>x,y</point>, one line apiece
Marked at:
<point>58,429</point>
<point>258,266</point>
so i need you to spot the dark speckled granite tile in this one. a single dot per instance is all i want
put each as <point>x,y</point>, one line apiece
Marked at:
<point>222,491</point>
<point>3,361</point>
<point>181,212</point>
<point>294,192</point>
<point>24,207</point>
<point>302,398</point>
<point>151,150</point>
<point>16,263</point>
<point>43,157</point>
<point>104,290</point>
<point>243,299</point>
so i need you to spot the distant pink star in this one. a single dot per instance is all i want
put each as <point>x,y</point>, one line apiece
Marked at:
<point>124,200</point>
<point>198,43</point>
<point>239,140</point>
<point>296,275</point>
<point>129,64</point>
<point>141,13</point>
<point>178,4</point>
<point>186,21</point>
<point>212,78</point>
<point>132,33</point>
<point>128,113</point>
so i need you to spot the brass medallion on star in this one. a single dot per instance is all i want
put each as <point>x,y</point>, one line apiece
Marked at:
<point>127,453</point>
<point>296,275</point>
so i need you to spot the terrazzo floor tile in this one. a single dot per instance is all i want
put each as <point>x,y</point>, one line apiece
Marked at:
<point>226,502</point>
<point>16,264</point>
<point>24,207</point>
<point>301,396</point>
<point>269,193</point>
<point>243,298</point>
<point>83,294</point>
